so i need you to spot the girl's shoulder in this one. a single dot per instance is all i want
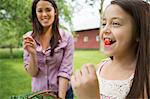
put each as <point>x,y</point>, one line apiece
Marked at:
<point>101,64</point>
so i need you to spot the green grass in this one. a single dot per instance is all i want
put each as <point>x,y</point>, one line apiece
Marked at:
<point>15,81</point>
<point>82,57</point>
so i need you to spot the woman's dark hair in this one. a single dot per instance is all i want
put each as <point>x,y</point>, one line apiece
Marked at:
<point>139,10</point>
<point>38,28</point>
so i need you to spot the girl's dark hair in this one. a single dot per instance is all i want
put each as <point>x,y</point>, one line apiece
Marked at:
<point>139,10</point>
<point>38,28</point>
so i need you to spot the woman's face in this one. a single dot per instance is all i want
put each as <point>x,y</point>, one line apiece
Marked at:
<point>117,31</point>
<point>45,13</point>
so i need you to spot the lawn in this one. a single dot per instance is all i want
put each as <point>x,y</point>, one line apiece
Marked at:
<point>87,56</point>
<point>15,81</point>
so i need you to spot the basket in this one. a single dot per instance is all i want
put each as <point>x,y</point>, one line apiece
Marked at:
<point>48,94</point>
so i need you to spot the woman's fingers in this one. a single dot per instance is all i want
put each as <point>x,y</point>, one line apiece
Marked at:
<point>29,44</point>
<point>28,40</point>
<point>27,37</point>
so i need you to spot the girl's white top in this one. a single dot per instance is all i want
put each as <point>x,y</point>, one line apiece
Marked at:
<point>113,89</point>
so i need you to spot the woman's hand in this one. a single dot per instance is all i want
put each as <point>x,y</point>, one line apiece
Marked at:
<point>85,83</point>
<point>29,44</point>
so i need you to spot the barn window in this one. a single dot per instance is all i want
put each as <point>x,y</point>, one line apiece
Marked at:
<point>85,39</point>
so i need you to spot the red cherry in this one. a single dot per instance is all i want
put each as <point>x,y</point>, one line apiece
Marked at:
<point>107,42</point>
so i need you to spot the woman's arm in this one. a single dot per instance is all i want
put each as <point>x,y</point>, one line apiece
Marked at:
<point>32,68</point>
<point>65,69</point>
<point>30,57</point>
<point>63,85</point>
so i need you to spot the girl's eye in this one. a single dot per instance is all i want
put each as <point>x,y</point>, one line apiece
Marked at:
<point>103,24</point>
<point>115,23</point>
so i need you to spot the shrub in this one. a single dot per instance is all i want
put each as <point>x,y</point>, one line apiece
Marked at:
<point>5,53</point>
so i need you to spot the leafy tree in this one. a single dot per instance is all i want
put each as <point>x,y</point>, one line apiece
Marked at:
<point>13,21</point>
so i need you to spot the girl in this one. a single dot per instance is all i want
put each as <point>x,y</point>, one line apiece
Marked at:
<point>48,51</point>
<point>125,34</point>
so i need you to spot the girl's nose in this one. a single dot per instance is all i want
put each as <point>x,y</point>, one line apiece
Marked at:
<point>106,29</point>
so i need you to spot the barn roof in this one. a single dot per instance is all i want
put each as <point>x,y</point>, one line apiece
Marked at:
<point>86,23</point>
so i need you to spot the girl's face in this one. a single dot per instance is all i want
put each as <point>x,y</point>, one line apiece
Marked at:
<point>45,13</point>
<point>117,31</point>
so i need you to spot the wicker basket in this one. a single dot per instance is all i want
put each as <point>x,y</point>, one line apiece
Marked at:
<point>48,94</point>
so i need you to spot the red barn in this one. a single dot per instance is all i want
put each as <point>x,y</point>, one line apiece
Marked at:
<point>87,39</point>
<point>86,30</point>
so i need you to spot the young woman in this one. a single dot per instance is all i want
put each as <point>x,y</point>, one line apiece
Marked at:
<point>48,51</point>
<point>125,35</point>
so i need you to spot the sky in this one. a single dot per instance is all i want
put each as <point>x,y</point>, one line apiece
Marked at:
<point>85,16</point>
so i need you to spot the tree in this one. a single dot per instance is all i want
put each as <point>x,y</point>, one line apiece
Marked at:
<point>13,21</point>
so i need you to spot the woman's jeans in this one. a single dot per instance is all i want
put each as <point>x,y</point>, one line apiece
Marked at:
<point>69,94</point>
